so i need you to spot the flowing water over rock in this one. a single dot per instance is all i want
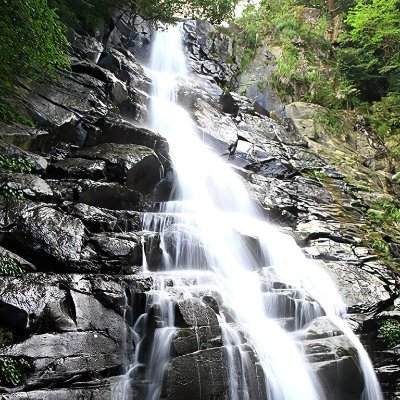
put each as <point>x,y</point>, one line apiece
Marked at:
<point>231,294</point>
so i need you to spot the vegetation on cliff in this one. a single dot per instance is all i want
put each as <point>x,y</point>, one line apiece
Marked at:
<point>339,54</point>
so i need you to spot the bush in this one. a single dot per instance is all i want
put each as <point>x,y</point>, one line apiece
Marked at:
<point>12,370</point>
<point>385,212</point>
<point>389,332</point>
<point>15,164</point>
<point>8,266</point>
<point>32,46</point>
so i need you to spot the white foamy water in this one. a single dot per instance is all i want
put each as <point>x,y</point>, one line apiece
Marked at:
<point>215,243</point>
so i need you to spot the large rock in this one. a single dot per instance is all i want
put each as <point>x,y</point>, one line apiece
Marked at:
<point>203,375</point>
<point>191,340</point>
<point>100,220</point>
<point>195,312</point>
<point>334,359</point>
<point>42,231</point>
<point>38,163</point>
<point>212,53</point>
<point>24,137</point>
<point>139,166</point>
<point>78,168</point>
<point>31,186</point>
<point>363,289</point>
<point>110,195</point>
<point>198,376</point>
<point>70,355</point>
<point>118,251</point>
<point>113,129</point>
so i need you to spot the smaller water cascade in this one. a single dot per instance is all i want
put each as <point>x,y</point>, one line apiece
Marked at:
<point>217,251</point>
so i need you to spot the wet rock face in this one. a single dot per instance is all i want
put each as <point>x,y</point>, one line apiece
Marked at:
<point>210,52</point>
<point>77,231</point>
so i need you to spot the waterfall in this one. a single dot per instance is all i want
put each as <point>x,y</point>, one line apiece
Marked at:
<point>222,247</point>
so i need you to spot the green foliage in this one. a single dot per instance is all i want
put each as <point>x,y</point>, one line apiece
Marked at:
<point>370,54</point>
<point>89,15</point>
<point>8,266</point>
<point>389,332</point>
<point>12,370</point>
<point>306,69</point>
<point>385,116</point>
<point>15,164</point>
<point>385,212</point>
<point>10,193</point>
<point>381,246</point>
<point>314,174</point>
<point>32,45</point>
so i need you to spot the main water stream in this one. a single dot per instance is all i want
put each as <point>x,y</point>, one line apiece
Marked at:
<point>215,243</point>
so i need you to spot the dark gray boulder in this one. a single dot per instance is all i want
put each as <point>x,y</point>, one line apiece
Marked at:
<point>118,251</point>
<point>138,165</point>
<point>104,220</point>
<point>198,376</point>
<point>78,168</point>
<point>110,195</point>
<point>195,312</point>
<point>38,163</point>
<point>190,340</point>
<point>60,238</point>
<point>31,186</point>
<point>114,129</point>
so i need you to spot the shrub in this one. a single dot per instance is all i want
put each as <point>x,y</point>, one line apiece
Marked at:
<point>8,266</point>
<point>389,332</point>
<point>15,164</point>
<point>32,46</point>
<point>12,370</point>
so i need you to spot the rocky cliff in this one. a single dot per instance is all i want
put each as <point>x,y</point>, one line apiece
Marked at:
<point>73,193</point>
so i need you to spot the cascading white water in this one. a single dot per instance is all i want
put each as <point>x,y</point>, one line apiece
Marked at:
<point>212,222</point>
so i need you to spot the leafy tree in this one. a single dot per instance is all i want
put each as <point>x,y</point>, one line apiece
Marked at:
<point>32,45</point>
<point>90,14</point>
<point>370,54</point>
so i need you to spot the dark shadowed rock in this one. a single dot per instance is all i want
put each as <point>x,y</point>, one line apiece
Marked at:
<point>203,376</point>
<point>198,376</point>
<point>341,379</point>
<point>136,164</point>
<point>229,105</point>
<point>110,195</point>
<point>113,129</point>
<point>78,168</point>
<point>31,186</point>
<point>26,138</point>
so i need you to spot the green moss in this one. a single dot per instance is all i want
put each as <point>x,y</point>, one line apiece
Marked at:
<point>314,174</point>
<point>12,370</point>
<point>389,332</point>
<point>9,266</point>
